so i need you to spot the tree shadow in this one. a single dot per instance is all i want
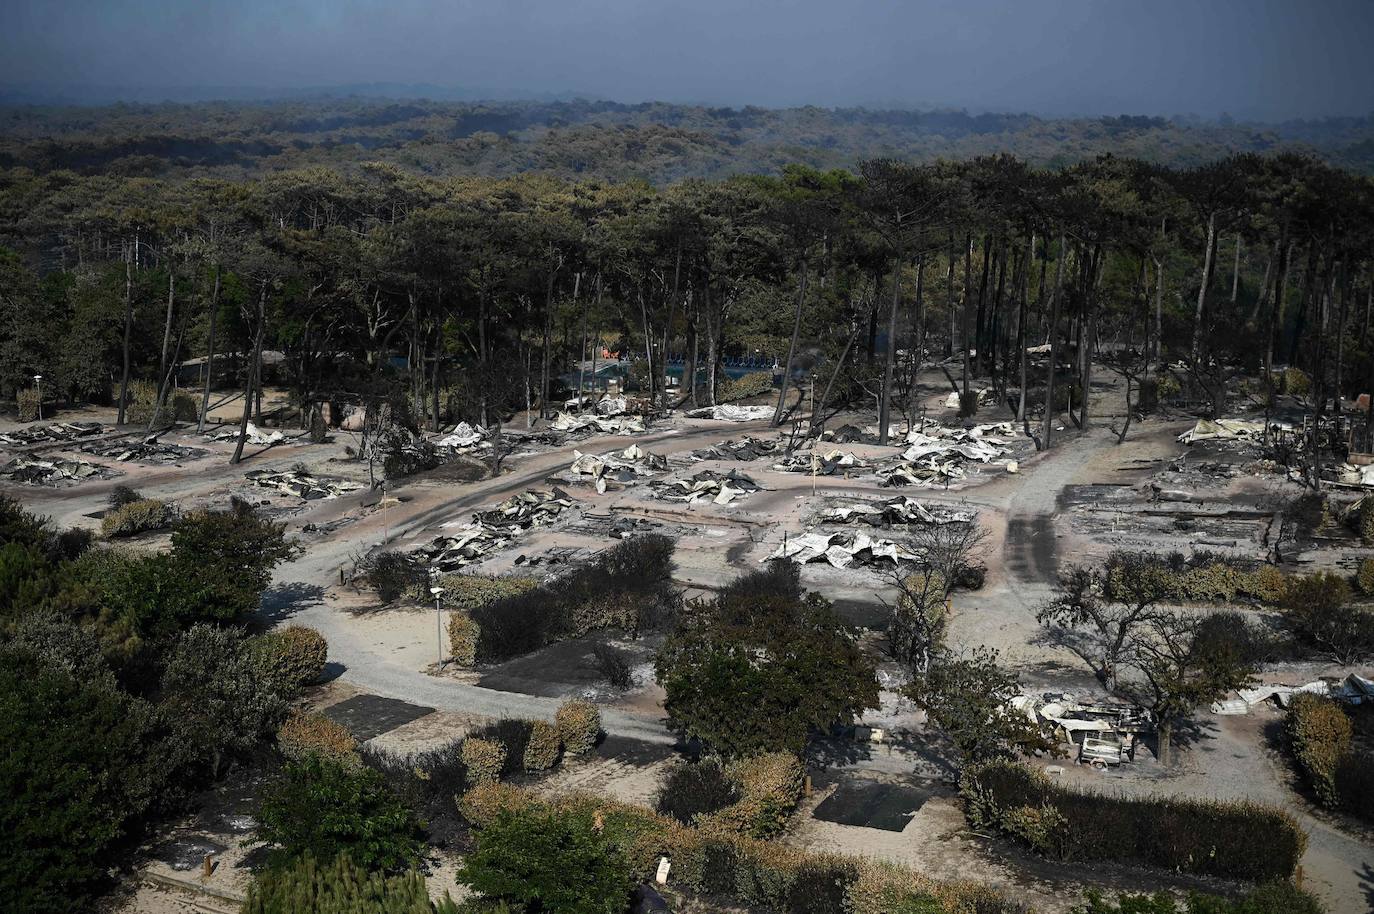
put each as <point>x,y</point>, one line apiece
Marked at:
<point>282,601</point>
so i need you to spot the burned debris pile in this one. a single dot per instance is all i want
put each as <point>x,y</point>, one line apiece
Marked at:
<point>728,412</point>
<point>843,550</point>
<point>586,425</point>
<point>826,464</point>
<point>252,435</point>
<point>625,467</point>
<point>494,529</point>
<point>54,433</point>
<point>743,450</point>
<point>720,488</point>
<point>936,455</point>
<point>903,510</point>
<point>149,450</point>
<point>50,472</point>
<point>298,483</point>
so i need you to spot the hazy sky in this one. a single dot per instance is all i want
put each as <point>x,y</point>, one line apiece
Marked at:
<point>1252,58</point>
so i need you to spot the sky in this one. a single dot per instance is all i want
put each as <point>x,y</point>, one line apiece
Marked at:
<point>1252,59</point>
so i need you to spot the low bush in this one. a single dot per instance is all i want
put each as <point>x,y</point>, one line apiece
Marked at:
<point>696,790</point>
<point>613,666</point>
<point>1355,784</point>
<point>391,574</point>
<point>1360,516</point>
<point>306,733</point>
<point>136,517</point>
<point>543,746</point>
<point>484,759</point>
<point>427,782</point>
<point>747,871</point>
<point>514,735</point>
<point>1231,840</point>
<point>307,885</point>
<point>122,495</point>
<point>323,808</point>
<point>293,657</point>
<point>579,726</point>
<point>769,787</point>
<point>748,385</point>
<point>1318,734</point>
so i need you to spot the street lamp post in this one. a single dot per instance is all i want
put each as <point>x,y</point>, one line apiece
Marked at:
<point>439,622</point>
<point>38,382</point>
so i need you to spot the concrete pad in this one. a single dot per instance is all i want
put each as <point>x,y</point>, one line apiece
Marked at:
<point>367,716</point>
<point>872,804</point>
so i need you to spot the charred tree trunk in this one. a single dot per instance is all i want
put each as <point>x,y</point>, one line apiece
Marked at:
<point>885,406</point>
<point>792,346</point>
<point>1202,289</point>
<point>252,377</point>
<point>210,352</point>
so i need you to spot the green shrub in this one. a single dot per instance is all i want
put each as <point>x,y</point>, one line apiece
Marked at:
<point>579,726</point>
<point>1319,608</point>
<point>306,733</point>
<point>1203,577</point>
<point>28,403</point>
<point>294,656</point>
<point>1364,578</point>
<point>391,574</point>
<point>1231,840</point>
<point>484,759</point>
<point>514,734</point>
<point>543,746</point>
<point>323,808</point>
<point>697,789</point>
<point>1355,784</point>
<point>181,405</point>
<point>769,787</point>
<point>308,886</point>
<point>753,384</point>
<point>628,588</point>
<point>1318,733</point>
<point>136,517</point>
<point>549,861</point>
<point>1296,382</point>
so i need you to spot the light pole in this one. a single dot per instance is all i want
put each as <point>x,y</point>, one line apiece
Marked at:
<point>38,381</point>
<point>439,621</point>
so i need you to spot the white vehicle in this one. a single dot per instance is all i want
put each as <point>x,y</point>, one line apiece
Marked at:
<point>1102,750</point>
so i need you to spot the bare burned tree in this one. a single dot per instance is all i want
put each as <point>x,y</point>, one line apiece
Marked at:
<point>916,629</point>
<point>1097,613</point>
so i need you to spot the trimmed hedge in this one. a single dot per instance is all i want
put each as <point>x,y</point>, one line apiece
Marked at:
<point>1318,733</point>
<point>543,746</point>
<point>579,725</point>
<point>466,592</point>
<point>1206,837</point>
<point>306,733</point>
<point>294,656</point>
<point>748,385</point>
<point>341,887</point>
<point>27,400</point>
<point>463,635</point>
<point>1364,577</point>
<point>628,588</point>
<point>1203,577</point>
<point>1320,736</point>
<point>484,759</point>
<point>748,871</point>
<point>769,787</point>
<point>136,517</point>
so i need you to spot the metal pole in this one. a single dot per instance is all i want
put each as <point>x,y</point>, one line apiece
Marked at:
<point>439,629</point>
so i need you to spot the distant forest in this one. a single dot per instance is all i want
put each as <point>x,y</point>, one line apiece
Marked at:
<point>655,142</point>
